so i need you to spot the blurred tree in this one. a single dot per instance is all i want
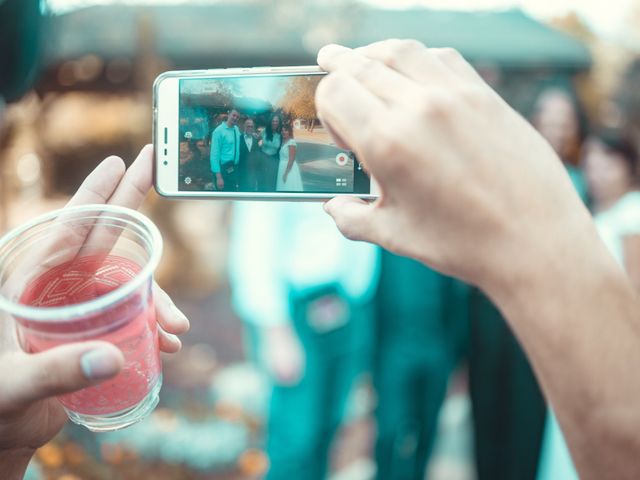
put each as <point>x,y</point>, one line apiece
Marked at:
<point>573,24</point>
<point>222,97</point>
<point>298,100</point>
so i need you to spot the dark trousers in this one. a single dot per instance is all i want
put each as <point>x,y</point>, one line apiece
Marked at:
<point>304,418</point>
<point>231,179</point>
<point>267,173</point>
<point>248,178</point>
<point>509,410</point>
<point>421,332</point>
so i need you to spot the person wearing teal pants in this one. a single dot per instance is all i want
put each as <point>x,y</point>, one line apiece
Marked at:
<point>306,293</point>
<point>305,417</point>
<point>295,284</point>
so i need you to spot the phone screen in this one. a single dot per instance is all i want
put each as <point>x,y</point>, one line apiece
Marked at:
<point>260,133</point>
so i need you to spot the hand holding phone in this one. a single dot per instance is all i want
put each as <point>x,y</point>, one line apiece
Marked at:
<point>249,133</point>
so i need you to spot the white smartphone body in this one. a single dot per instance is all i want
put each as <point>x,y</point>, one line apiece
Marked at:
<point>248,133</point>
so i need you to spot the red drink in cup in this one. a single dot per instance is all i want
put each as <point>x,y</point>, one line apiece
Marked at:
<point>86,274</point>
<point>131,326</point>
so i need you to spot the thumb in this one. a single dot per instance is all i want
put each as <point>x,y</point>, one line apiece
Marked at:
<point>354,218</point>
<point>57,371</point>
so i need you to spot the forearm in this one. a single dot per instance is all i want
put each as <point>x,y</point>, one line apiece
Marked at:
<point>631,248</point>
<point>215,165</point>
<point>576,314</point>
<point>214,156</point>
<point>13,464</point>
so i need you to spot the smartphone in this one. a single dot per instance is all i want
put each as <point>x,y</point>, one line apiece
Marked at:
<point>249,133</point>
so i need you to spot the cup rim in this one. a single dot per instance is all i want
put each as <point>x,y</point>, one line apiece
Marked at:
<point>68,312</point>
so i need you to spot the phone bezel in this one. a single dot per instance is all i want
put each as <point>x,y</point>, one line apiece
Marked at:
<point>166,148</point>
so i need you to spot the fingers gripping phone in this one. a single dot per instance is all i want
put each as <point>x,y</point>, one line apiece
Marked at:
<point>249,133</point>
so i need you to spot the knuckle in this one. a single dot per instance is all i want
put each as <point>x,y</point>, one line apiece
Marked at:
<point>406,46</point>
<point>449,54</point>
<point>398,49</point>
<point>436,106</point>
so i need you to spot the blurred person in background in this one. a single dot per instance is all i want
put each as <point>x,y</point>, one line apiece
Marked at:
<point>194,172</point>
<point>305,294</point>
<point>559,116</point>
<point>249,157</point>
<point>611,167</point>
<point>509,409</point>
<point>270,141</point>
<point>420,335</point>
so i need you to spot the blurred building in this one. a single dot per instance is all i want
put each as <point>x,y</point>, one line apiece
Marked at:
<point>101,47</point>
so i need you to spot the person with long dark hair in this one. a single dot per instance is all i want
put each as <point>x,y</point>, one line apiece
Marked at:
<point>270,142</point>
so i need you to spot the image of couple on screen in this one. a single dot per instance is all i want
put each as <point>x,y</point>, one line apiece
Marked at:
<point>242,159</point>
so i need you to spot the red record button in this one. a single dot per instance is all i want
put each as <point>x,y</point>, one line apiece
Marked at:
<point>342,159</point>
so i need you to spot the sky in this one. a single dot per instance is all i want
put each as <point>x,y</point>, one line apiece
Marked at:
<point>269,89</point>
<point>605,17</point>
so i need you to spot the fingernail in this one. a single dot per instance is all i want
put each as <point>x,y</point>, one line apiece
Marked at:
<point>99,363</point>
<point>181,316</point>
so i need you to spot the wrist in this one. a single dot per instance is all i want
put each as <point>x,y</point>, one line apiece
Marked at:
<point>13,463</point>
<point>550,277</point>
<point>529,256</point>
<point>575,313</point>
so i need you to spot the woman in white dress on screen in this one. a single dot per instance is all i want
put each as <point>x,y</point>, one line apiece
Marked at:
<point>289,177</point>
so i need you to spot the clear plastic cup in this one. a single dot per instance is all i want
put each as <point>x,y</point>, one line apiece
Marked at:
<point>86,273</point>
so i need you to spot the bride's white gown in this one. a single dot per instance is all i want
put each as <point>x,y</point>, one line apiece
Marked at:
<point>294,179</point>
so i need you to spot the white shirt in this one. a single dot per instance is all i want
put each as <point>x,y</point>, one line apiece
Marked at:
<point>619,221</point>
<point>278,246</point>
<point>248,140</point>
